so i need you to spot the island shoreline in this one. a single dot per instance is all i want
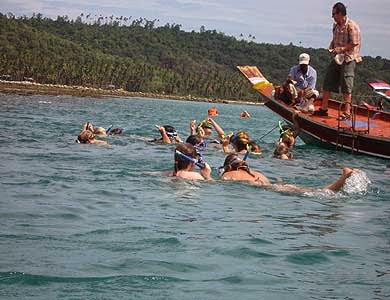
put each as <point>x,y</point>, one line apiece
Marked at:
<point>27,88</point>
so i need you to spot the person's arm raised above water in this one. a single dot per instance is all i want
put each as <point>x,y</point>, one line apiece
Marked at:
<point>164,135</point>
<point>216,126</point>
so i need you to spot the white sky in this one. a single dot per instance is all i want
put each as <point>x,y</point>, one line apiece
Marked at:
<point>303,22</point>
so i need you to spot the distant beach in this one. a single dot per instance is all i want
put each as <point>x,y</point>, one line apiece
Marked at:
<point>32,88</point>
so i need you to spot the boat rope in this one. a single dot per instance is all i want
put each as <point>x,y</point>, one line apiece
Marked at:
<point>295,120</point>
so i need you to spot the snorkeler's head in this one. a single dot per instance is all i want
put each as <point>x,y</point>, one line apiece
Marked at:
<point>181,163</point>
<point>280,149</point>
<point>240,141</point>
<point>170,131</point>
<point>85,137</point>
<point>99,131</point>
<point>206,126</point>
<point>234,162</point>
<point>197,141</point>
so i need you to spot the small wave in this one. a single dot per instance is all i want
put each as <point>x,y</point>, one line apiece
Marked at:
<point>163,241</point>
<point>307,258</point>
<point>32,279</point>
<point>259,241</point>
<point>244,252</point>
<point>229,279</point>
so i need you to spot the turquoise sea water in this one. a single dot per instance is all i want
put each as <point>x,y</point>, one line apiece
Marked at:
<point>101,222</point>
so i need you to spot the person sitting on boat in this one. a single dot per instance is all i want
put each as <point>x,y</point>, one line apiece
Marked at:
<point>305,78</point>
<point>235,168</point>
<point>185,160</point>
<point>300,86</point>
<point>168,135</point>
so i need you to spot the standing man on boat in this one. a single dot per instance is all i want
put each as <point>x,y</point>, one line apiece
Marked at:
<point>345,46</point>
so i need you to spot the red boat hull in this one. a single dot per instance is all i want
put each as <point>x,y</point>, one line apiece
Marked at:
<point>369,134</point>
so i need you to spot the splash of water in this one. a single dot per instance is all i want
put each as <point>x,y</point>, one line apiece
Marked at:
<point>357,183</point>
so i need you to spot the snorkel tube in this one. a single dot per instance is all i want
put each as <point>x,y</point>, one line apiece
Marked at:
<point>248,151</point>
<point>108,129</point>
<point>283,131</point>
<point>281,127</point>
<point>193,160</point>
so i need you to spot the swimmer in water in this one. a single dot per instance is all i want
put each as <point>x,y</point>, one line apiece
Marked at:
<point>235,168</point>
<point>168,135</point>
<point>88,137</point>
<point>185,160</point>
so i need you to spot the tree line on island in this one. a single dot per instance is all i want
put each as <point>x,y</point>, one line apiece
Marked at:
<point>138,56</point>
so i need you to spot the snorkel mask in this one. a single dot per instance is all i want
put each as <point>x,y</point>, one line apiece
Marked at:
<point>200,146</point>
<point>205,124</point>
<point>172,134</point>
<point>240,134</point>
<point>285,131</point>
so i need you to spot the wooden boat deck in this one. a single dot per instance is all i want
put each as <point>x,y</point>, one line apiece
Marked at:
<point>373,122</point>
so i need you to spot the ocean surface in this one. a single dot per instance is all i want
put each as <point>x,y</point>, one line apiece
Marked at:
<point>103,222</point>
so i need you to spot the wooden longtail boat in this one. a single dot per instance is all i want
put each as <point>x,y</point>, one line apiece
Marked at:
<point>367,132</point>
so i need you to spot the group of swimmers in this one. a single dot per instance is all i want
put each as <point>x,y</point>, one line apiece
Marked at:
<point>188,156</point>
<point>236,168</point>
<point>89,134</point>
<point>238,146</point>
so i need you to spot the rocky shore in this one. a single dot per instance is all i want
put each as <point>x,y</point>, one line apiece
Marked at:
<point>32,88</point>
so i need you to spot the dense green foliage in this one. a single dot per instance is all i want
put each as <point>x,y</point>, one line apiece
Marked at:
<point>139,56</point>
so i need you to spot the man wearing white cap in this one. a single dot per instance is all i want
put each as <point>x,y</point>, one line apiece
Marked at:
<point>304,78</point>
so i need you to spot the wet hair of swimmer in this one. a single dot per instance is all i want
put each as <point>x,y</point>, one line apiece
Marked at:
<point>254,147</point>
<point>197,141</point>
<point>170,131</point>
<point>182,163</point>
<point>85,136</point>
<point>280,149</point>
<point>116,131</point>
<point>233,162</point>
<point>99,130</point>
<point>240,140</point>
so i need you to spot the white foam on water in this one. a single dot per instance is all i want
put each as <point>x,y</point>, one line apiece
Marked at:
<point>357,183</point>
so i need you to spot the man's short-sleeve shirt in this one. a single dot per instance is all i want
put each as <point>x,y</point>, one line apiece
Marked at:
<point>308,80</point>
<point>348,33</point>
